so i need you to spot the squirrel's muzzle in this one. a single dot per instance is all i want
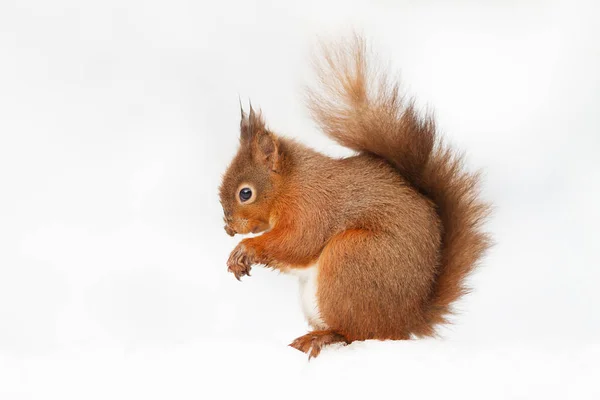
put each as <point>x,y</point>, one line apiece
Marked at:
<point>229,231</point>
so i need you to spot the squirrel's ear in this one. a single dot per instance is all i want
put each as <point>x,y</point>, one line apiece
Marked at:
<point>266,149</point>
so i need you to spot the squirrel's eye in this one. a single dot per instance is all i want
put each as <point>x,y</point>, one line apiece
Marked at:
<point>245,194</point>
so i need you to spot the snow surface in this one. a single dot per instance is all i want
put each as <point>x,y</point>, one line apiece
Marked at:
<point>117,119</point>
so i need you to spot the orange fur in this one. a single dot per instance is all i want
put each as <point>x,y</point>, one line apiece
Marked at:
<point>394,230</point>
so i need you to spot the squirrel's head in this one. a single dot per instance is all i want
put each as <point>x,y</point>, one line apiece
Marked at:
<point>252,180</point>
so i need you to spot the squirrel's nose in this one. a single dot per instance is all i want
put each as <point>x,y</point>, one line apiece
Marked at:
<point>229,231</point>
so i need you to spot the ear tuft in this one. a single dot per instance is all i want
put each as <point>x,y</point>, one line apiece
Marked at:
<point>244,125</point>
<point>250,125</point>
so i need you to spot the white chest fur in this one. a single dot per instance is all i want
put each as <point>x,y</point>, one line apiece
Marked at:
<point>308,294</point>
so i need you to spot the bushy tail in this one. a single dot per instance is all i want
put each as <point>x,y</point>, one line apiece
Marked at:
<point>363,109</point>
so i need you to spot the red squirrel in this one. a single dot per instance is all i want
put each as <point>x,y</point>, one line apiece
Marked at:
<point>382,241</point>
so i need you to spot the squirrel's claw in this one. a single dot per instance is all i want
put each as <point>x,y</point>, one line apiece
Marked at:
<point>239,271</point>
<point>239,263</point>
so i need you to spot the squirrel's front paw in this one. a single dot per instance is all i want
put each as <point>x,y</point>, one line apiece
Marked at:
<point>239,262</point>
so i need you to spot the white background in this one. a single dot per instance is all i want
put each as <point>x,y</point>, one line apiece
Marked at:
<point>117,119</point>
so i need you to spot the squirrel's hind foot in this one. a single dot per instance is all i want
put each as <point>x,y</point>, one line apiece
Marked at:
<point>314,341</point>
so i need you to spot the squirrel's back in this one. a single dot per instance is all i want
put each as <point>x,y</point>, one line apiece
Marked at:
<point>354,189</point>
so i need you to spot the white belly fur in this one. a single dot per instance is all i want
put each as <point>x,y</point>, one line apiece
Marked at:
<point>308,294</point>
